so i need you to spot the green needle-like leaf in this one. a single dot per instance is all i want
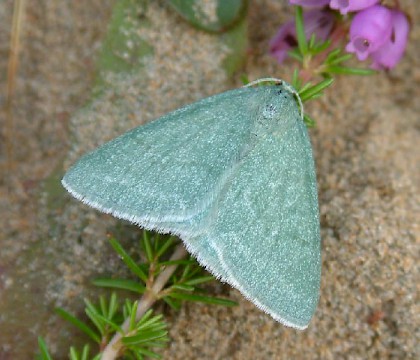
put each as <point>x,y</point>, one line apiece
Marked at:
<point>128,260</point>
<point>123,284</point>
<point>295,54</point>
<point>45,355</point>
<point>73,354</point>
<point>316,96</point>
<point>339,59</point>
<point>147,315</point>
<point>149,353</point>
<point>182,287</point>
<point>312,41</point>
<point>296,82</point>
<point>144,337</point>
<point>177,262</point>
<point>199,280</point>
<point>102,305</point>
<point>94,316</point>
<point>203,299</point>
<point>186,271</point>
<point>150,323</point>
<point>79,324</point>
<point>320,47</point>
<point>309,93</point>
<point>153,325</point>
<point>332,55</point>
<point>148,247</point>
<point>156,240</point>
<point>300,31</point>
<point>244,79</point>
<point>308,121</point>
<point>349,70</point>
<point>113,306</point>
<point>100,320</point>
<point>305,87</point>
<point>133,315</point>
<point>166,245</point>
<point>85,352</point>
<point>173,303</point>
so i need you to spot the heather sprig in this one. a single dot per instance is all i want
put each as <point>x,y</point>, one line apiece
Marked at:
<point>371,30</point>
<point>130,329</point>
<point>345,6</point>
<point>381,34</point>
<point>322,41</point>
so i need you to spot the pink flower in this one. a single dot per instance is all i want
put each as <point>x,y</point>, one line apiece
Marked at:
<point>389,54</point>
<point>317,22</point>
<point>369,30</point>
<point>351,5</point>
<point>309,3</point>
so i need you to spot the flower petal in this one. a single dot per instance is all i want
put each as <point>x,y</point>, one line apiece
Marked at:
<point>309,3</point>
<point>389,54</point>
<point>369,30</point>
<point>346,6</point>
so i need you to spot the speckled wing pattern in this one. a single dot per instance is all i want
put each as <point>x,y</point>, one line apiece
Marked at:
<point>233,176</point>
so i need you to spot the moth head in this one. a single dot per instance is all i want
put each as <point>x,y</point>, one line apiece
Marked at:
<point>284,89</point>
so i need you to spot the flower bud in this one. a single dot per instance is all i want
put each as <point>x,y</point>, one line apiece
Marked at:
<point>369,30</point>
<point>346,6</point>
<point>389,54</point>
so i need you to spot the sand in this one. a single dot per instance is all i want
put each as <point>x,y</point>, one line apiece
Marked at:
<point>366,152</point>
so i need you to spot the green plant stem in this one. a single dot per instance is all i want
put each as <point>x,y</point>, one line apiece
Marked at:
<point>316,67</point>
<point>114,347</point>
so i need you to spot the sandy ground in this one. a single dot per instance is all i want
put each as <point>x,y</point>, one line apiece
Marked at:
<point>366,151</point>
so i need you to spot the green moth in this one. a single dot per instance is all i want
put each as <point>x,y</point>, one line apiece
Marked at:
<point>233,176</point>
